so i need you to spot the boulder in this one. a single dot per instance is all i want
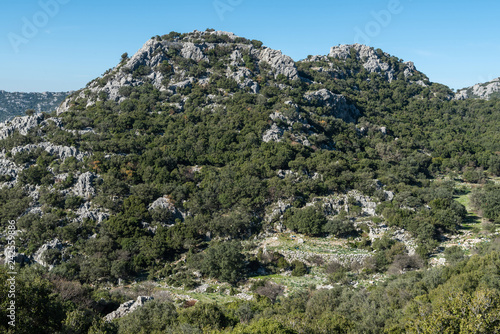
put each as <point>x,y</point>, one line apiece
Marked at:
<point>127,307</point>
<point>21,124</point>
<point>38,257</point>
<point>84,185</point>
<point>280,63</point>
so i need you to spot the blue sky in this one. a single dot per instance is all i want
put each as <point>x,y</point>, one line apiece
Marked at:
<point>56,45</point>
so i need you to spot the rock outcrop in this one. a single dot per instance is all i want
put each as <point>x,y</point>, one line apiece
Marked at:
<point>84,185</point>
<point>22,124</point>
<point>127,307</point>
<point>373,61</point>
<point>280,63</point>
<point>165,208</point>
<point>39,256</point>
<point>62,152</point>
<point>483,91</point>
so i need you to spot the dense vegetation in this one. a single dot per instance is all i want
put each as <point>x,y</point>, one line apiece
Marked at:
<point>460,298</point>
<point>201,147</point>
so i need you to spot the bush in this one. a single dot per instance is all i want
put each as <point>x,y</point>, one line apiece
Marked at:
<point>270,290</point>
<point>309,220</point>
<point>339,227</point>
<point>454,254</point>
<point>153,317</point>
<point>223,261</point>
<point>298,268</point>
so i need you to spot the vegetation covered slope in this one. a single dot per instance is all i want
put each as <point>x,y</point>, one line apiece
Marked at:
<point>174,160</point>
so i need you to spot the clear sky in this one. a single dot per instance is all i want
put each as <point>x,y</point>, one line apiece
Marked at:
<point>59,45</point>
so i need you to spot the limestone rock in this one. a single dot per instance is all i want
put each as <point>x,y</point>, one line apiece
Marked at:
<point>277,210</point>
<point>273,134</point>
<point>371,60</point>
<point>483,91</point>
<point>280,63</point>
<point>166,205</point>
<point>8,168</point>
<point>192,51</point>
<point>21,124</point>
<point>86,212</point>
<point>84,185</point>
<point>38,257</point>
<point>127,307</point>
<point>63,152</point>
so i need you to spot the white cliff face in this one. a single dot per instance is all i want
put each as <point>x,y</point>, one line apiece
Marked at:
<point>481,91</point>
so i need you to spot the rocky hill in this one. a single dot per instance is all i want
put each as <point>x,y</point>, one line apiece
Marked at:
<point>484,91</point>
<point>188,162</point>
<point>16,104</point>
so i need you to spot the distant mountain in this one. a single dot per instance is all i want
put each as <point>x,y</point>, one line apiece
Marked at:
<point>485,91</point>
<point>14,104</point>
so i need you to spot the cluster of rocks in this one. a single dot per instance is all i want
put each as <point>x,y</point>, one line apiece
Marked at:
<point>344,259</point>
<point>377,231</point>
<point>483,91</point>
<point>335,105</point>
<point>166,203</point>
<point>62,152</point>
<point>284,120</point>
<point>21,124</point>
<point>38,257</point>
<point>127,307</point>
<point>370,59</point>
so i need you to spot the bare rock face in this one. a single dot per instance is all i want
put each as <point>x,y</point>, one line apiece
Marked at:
<point>192,51</point>
<point>281,63</point>
<point>274,133</point>
<point>63,152</point>
<point>127,307</point>
<point>483,91</point>
<point>277,210</point>
<point>84,186</point>
<point>86,212</point>
<point>38,257</point>
<point>8,168</point>
<point>21,124</point>
<point>335,104</point>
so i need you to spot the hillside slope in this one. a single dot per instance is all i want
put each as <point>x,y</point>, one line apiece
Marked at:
<point>183,161</point>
